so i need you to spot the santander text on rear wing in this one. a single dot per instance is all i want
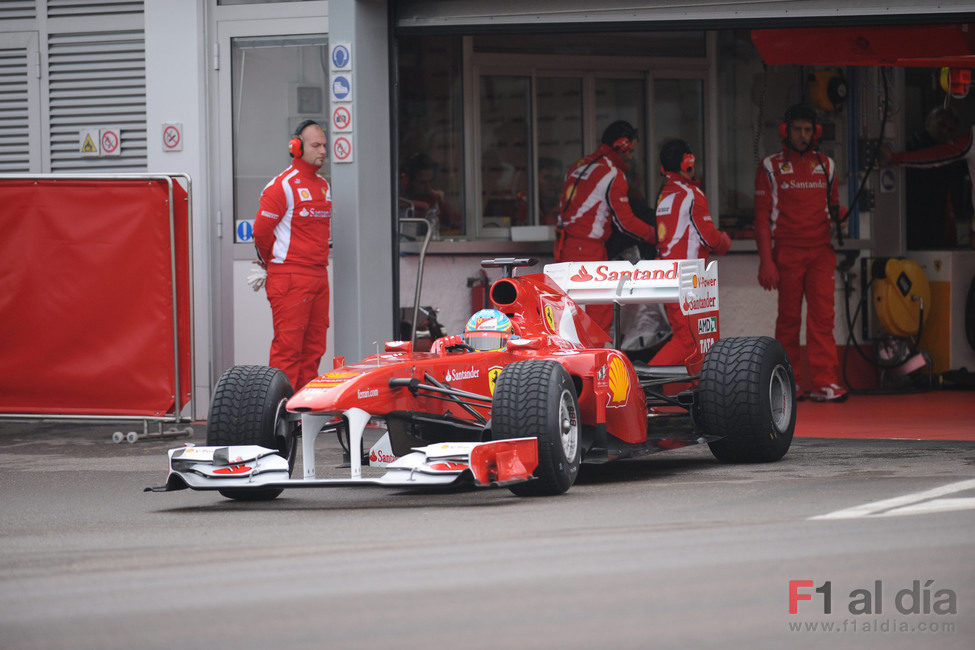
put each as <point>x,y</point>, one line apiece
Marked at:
<point>690,283</point>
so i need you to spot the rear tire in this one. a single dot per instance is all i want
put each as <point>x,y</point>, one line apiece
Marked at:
<point>537,398</point>
<point>747,395</point>
<point>248,409</point>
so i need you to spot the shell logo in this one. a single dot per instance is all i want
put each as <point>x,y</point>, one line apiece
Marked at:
<point>661,231</point>
<point>550,318</point>
<point>694,281</point>
<point>619,382</point>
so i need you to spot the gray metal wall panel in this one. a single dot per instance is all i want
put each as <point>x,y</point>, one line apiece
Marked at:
<point>14,111</point>
<point>97,79</point>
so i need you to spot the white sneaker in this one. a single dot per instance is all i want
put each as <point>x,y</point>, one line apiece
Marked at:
<point>830,393</point>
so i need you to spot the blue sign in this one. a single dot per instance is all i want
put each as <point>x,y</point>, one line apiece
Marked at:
<point>341,87</point>
<point>340,56</point>
<point>245,231</point>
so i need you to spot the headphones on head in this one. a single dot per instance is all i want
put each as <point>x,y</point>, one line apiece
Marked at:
<point>800,112</point>
<point>686,163</point>
<point>296,147</point>
<point>817,131</point>
<point>620,136</point>
<point>623,144</point>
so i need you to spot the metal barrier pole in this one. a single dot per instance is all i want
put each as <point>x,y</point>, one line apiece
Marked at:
<point>419,271</point>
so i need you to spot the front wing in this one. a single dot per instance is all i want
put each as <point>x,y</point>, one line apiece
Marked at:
<point>482,464</point>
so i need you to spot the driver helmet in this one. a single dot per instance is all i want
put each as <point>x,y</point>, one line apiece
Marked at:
<point>488,329</point>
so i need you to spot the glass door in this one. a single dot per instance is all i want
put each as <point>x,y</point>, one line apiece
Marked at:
<point>271,75</point>
<point>276,84</point>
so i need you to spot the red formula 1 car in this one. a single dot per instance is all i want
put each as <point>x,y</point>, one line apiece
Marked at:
<point>524,415</point>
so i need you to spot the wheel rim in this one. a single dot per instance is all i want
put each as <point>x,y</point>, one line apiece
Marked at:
<point>780,399</point>
<point>568,425</point>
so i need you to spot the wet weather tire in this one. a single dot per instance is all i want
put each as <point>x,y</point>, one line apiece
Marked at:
<point>247,409</point>
<point>747,396</point>
<point>537,398</point>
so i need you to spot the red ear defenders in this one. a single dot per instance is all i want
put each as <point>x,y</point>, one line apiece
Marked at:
<point>623,144</point>
<point>784,131</point>
<point>686,163</point>
<point>295,145</point>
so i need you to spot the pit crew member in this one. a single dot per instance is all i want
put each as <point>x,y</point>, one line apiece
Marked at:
<point>796,199</point>
<point>594,199</point>
<point>685,230</point>
<point>291,233</point>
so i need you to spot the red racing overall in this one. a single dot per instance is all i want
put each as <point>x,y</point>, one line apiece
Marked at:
<point>792,193</point>
<point>291,233</point>
<point>685,230</point>
<point>594,198</point>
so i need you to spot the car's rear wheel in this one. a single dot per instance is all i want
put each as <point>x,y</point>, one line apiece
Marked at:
<point>747,396</point>
<point>248,409</point>
<point>537,398</point>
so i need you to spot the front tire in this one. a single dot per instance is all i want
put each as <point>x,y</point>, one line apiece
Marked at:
<point>248,409</point>
<point>537,398</point>
<point>747,395</point>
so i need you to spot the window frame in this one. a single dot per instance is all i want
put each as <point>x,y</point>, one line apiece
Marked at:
<point>589,68</point>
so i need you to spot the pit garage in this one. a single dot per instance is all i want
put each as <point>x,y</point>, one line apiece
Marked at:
<point>859,537</point>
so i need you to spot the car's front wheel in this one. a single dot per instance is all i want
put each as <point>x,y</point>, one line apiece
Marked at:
<point>747,396</point>
<point>537,398</point>
<point>248,409</point>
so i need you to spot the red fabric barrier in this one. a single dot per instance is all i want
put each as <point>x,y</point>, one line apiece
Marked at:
<point>86,314</point>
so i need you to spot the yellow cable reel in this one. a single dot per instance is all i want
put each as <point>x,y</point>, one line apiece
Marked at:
<point>902,295</point>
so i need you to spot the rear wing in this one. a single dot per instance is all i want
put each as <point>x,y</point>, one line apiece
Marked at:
<point>691,283</point>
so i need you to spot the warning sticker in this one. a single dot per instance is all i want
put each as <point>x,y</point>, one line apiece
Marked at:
<point>172,136</point>
<point>341,119</point>
<point>111,141</point>
<point>341,87</point>
<point>341,56</point>
<point>342,149</point>
<point>88,143</point>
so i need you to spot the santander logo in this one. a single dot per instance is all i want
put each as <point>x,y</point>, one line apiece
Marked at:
<point>380,456</point>
<point>615,273</point>
<point>581,276</point>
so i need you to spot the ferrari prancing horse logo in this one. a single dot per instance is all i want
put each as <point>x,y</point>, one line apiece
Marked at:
<point>550,319</point>
<point>492,374</point>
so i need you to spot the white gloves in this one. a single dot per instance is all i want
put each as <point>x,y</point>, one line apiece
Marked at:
<point>257,277</point>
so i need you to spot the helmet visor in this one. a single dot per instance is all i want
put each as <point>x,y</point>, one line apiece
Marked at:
<point>487,340</point>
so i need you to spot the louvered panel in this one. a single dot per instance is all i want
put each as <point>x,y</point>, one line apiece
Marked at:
<point>17,9</point>
<point>68,8</point>
<point>97,80</point>
<point>14,111</point>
